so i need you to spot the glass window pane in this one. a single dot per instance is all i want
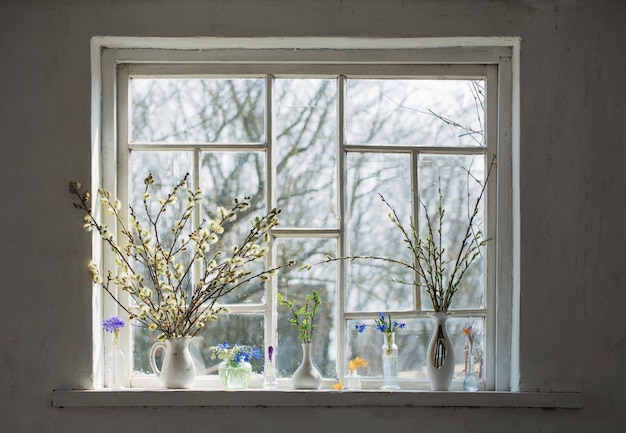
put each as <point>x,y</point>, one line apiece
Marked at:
<point>370,231</point>
<point>415,112</point>
<point>460,179</point>
<point>168,169</point>
<point>197,110</point>
<point>225,176</point>
<point>306,142</point>
<point>295,284</point>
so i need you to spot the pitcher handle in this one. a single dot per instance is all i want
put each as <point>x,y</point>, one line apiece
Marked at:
<point>153,349</point>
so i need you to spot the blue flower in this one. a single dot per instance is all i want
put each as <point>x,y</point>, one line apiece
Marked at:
<point>223,346</point>
<point>360,328</point>
<point>234,355</point>
<point>387,325</point>
<point>113,325</point>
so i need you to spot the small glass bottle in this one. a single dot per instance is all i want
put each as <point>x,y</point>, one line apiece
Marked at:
<point>115,367</point>
<point>353,381</point>
<point>471,381</point>
<point>390,362</point>
<point>269,376</point>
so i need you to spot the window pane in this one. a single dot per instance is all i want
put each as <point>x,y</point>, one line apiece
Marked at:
<point>168,169</point>
<point>460,178</point>
<point>295,284</point>
<point>415,112</point>
<point>306,142</point>
<point>225,176</point>
<point>197,110</point>
<point>370,231</point>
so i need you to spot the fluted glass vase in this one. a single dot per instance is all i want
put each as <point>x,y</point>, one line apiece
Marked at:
<point>234,377</point>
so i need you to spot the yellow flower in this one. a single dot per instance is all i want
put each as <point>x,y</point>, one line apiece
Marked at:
<point>356,363</point>
<point>338,386</point>
<point>152,327</point>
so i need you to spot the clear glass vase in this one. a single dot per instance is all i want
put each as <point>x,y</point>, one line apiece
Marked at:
<point>234,377</point>
<point>115,368</point>
<point>390,362</point>
<point>353,381</point>
<point>269,377</point>
<point>471,381</point>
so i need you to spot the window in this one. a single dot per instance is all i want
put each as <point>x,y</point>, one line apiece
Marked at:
<point>321,133</point>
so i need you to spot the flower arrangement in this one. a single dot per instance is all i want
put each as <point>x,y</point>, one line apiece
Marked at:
<point>153,265</point>
<point>234,370</point>
<point>303,317</point>
<point>235,355</point>
<point>385,325</point>
<point>113,325</point>
<point>436,274</point>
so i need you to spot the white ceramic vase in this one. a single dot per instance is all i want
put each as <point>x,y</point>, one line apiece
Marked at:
<point>178,370</point>
<point>440,355</point>
<point>306,376</point>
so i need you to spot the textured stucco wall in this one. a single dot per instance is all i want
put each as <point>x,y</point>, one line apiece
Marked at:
<point>572,124</point>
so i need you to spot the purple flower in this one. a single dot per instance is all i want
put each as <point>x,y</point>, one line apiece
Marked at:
<point>270,352</point>
<point>113,325</point>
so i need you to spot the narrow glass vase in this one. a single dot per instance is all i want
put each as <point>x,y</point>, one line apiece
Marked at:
<point>390,362</point>
<point>471,381</point>
<point>115,368</point>
<point>269,378</point>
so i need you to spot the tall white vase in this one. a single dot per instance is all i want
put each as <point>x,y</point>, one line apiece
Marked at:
<point>440,355</point>
<point>178,370</point>
<point>306,376</point>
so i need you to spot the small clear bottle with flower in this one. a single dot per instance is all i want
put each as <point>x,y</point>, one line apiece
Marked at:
<point>471,381</point>
<point>269,376</point>
<point>115,361</point>
<point>353,380</point>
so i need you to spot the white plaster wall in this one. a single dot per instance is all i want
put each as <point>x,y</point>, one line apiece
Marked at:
<point>573,187</point>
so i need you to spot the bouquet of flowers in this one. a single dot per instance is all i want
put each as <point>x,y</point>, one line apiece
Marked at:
<point>235,355</point>
<point>385,325</point>
<point>235,368</point>
<point>153,265</point>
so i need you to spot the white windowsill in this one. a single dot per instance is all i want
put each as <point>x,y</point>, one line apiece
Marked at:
<point>321,398</point>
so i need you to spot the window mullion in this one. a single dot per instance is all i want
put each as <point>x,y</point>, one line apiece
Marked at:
<point>341,215</point>
<point>271,305</point>
<point>415,208</point>
<point>119,182</point>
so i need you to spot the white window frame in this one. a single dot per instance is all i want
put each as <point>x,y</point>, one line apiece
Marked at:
<point>319,55</point>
